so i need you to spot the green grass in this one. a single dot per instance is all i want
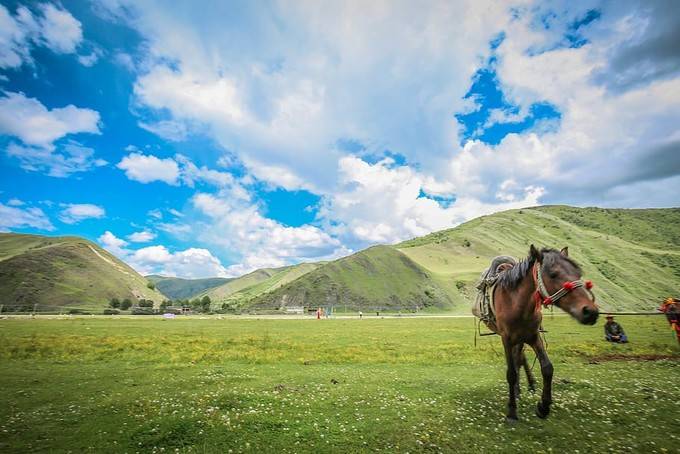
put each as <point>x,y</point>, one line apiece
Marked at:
<point>398,385</point>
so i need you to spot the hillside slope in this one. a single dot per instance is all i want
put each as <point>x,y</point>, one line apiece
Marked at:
<point>177,288</point>
<point>633,256</point>
<point>375,278</point>
<point>238,292</point>
<point>59,272</point>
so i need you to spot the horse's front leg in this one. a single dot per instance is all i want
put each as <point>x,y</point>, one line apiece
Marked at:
<point>543,407</point>
<point>512,376</point>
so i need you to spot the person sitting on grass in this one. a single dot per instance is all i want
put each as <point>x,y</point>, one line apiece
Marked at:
<point>613,332</point>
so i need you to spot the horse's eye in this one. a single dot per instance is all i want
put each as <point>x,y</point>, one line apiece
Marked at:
<point>553,275</point>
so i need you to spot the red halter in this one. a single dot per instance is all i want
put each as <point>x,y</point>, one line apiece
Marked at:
<point>541,295</point>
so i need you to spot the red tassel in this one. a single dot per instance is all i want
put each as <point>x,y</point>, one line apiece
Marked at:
<point>589,284</point>
<point>569,286</point>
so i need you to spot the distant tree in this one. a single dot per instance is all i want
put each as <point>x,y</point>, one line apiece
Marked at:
<point>126,304</point>
<point>151,285</point>
<point>205,303</point>
<point>165,303</point>
<point>145,303</point>
<point>114,303</point>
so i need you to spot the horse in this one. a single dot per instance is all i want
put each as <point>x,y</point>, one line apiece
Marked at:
<point>546,277</point>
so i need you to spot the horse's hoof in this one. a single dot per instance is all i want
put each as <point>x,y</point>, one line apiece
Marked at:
<point>511,421</point>
<point>542,412</point>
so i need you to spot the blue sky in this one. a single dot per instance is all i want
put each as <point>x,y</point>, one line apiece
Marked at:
<point>216,140</point>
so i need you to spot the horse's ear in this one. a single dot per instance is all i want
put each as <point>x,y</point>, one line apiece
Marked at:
<point>565,251</point>
<point>535,253</point>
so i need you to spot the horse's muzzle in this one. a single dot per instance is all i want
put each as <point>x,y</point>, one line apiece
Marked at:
<point>589,316</point>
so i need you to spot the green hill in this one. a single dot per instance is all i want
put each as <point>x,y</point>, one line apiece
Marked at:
<point>64,272</point>
<point>240,291</point>
<point>178,288</point>
<point>378,277</point>
<point>633,256</point>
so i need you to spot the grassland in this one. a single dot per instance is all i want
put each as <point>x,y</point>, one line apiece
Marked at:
<point>57,273</point>
<point>346,385</point>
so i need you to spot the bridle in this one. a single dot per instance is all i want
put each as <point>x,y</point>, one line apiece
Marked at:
<point>542,296</point>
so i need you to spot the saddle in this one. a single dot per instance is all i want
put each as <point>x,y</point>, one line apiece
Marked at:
<point>484,307</point>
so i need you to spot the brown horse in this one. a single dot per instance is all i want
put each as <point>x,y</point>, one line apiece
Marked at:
<point>545,277</point>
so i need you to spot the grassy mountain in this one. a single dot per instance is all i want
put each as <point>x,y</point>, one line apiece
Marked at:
<point>178,288</point>
<point>380,276</point>
<point>633,256</point>
<point>57,272</point>
<point>240,291</point>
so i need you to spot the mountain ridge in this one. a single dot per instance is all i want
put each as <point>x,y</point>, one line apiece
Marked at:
<point>632,255</point>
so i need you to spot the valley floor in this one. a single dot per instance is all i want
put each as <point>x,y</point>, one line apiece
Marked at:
<point>267,385</point>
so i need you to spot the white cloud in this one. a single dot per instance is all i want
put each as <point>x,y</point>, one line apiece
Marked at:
<point>155,213</point>
<point>113,244</point>
<point>75,212</point>
<point>143,236</point>
<point>148,168</point>
<point>179,230</point>
<point>381,203</point>
<point>176,131</point>
<point>33,123</point>
<point>60,31</point>
<point>92,57</point>
<point>13,47</point>
<point>53,27</point>
<point>69,158</point>
<point>13,217</point>
<point>190,96</point>
<point>157,259</point>
<point>256,241</point>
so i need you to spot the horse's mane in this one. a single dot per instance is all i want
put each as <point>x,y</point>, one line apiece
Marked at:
<point>510,279</point>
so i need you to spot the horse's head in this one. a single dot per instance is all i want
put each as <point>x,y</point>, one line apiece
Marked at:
<point>561,280</point>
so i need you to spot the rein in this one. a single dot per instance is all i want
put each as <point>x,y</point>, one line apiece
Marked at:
<point>541,295</point>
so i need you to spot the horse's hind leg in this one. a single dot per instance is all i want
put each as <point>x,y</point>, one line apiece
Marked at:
<point>512,376</point>
<point>518,355</point>
<point>530,377</point>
